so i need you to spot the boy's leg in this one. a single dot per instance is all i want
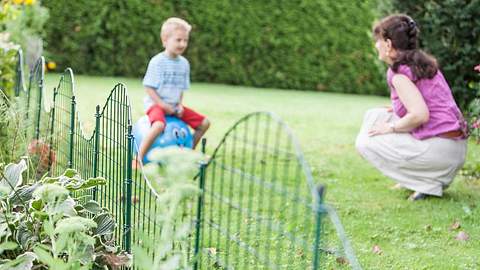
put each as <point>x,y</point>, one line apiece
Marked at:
<point>199,131</point>
<point>157,120</point>
<point>156,129</point>
<point>197,121</point>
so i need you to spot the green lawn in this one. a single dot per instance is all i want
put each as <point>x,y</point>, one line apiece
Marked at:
<point>410,235</point>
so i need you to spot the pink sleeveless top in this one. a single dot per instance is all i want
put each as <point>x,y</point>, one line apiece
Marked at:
<point>444,113</point>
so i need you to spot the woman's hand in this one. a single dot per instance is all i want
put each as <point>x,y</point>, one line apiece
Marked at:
<point>380,128</point>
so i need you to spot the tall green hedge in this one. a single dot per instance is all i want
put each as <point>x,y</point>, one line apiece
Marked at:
<point>107,37</point>
<point>450,30</point>
<point>298,44</point>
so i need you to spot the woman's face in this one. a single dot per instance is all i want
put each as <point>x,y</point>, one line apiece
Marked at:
<point>384,50</point>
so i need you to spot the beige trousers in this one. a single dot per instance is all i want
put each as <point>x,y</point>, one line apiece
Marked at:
<point>427,166</point>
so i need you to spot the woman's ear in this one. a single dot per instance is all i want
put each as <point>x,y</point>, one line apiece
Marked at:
<point>389,50</point>
<point>389,43</point>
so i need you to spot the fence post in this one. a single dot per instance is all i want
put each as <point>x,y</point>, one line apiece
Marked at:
<point>127,233</point>
<point>19,78</point>
<point>39,109</point>
<point>71,133</point>
<point>52,130</point>
<point>27,107</point>
<point>318,226</point>
<point>96,150</point>
<point>198,221</point>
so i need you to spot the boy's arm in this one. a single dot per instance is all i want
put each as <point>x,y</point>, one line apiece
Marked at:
<point>167,108</point>
<point>179,109</point>
<point>180,102</point>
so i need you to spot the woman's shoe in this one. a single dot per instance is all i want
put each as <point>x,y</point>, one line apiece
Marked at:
<point>417,196</point>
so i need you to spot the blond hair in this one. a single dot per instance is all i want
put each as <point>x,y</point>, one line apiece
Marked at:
<point>172,24</point>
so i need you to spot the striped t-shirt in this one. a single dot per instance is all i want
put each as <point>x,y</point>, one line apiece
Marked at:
<point>168,76</point>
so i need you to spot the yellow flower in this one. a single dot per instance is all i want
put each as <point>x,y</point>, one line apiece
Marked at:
<point>30,2</point>
<point>18,2</point>
<point>51,65</point>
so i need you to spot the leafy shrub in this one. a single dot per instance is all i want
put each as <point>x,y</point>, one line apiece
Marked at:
<point>8,59</point>
<point>21,26</point>
<point>12,126</point>
<point>43,227</point>
<point>8,50</point>
<point>450,30</point>
<point>24,21</point>
<point>315,45</point>
<point>117,39</point>
<point>473,115</point>
<point>171,174</point>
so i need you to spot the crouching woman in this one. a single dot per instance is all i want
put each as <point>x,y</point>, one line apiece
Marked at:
<point>420,142</point>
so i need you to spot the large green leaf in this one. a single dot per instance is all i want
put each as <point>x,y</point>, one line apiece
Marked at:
<point>70,173</point>
<point>23,194</point>
<point>105,224</point>
<point>40,215</point>
<point>22,262</point>
<point>68,176</point>
<point>85,184</point>
<point>36,204</point>
<point>13,175</point>
<point>92,207</point>
<point>87,256</point>
<point>24,235</point>
<point>4,231</point>
<point>7,246</point>
<point>67,208</point>
<point>4,192</point>
<point>73,182</point>
<point>46,257</point>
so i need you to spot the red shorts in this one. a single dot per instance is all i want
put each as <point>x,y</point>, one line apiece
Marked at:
<point>192,118</point>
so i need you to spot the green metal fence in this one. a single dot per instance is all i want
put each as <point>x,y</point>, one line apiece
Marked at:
<point>260,200</point>
<point>260,207</point>
<point>37,111</point>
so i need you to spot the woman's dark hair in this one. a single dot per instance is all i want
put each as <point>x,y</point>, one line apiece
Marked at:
<point>403,32</point>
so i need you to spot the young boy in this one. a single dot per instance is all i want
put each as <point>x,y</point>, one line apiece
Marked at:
<point>167,77</point>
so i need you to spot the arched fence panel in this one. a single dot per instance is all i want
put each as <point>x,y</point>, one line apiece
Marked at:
<point>38,120</point>
<point>113,126</point>
<point>61,129</point>
<point>259,206</point>
<point>35,99</point>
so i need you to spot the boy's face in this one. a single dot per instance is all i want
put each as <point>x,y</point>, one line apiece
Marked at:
<point>176,42</point>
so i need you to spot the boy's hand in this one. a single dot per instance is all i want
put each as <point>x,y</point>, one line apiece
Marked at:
<point>179,111</point>
<point>168,109</point>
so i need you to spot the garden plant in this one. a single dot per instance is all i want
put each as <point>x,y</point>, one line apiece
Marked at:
<point>44,227</point>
